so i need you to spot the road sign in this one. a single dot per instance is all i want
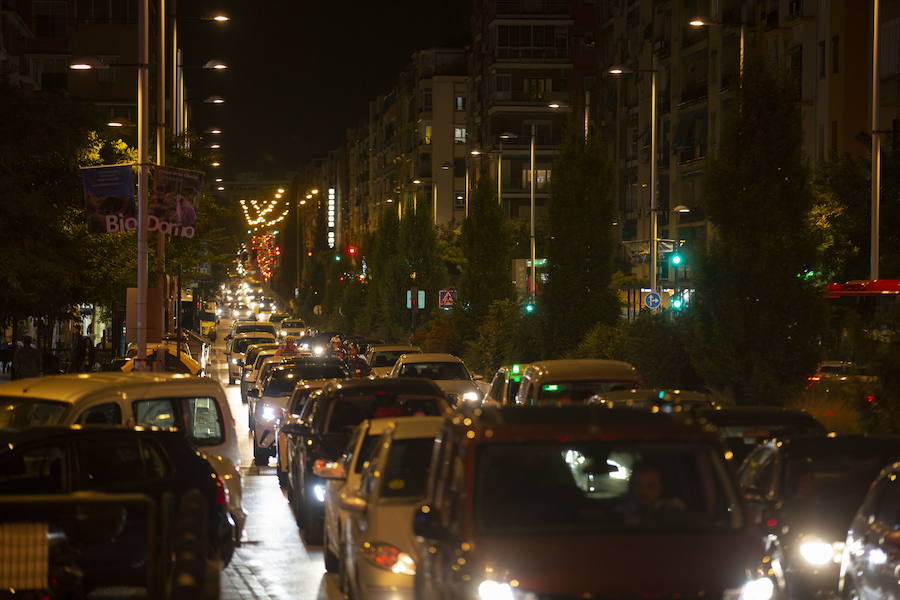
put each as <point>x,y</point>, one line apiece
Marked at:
<point>446,298</point>
<point>420,298</point>
<point>652,300</point>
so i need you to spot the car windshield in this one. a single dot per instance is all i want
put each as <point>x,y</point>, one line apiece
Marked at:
<point>406,471</point>
<point>18,413</point>
<point>240,345</point>
<point>348,411</point>
<point>253,353</point>
<point>267,327</point>
<point>591,486</point>
<point>281,383</point>
<point>387,358</point>
<point>441,371</point>
<point>292,324</point>
<point>833,479</point>
<point>753,433</point>
<point>577,392</point>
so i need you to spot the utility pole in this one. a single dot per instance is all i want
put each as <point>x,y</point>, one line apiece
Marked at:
<point>531,237</point>
<point>143,92</point>
<point>874,250</point>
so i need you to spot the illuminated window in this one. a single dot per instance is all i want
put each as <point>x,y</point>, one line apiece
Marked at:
<point>426,138</point>
<point>459,135</point>
<point>460,102</point>
<point>541,179</point>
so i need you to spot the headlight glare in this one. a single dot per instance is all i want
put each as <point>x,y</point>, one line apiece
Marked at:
<point>268,413</point>
<point>816,552</point>
<point>470,396</point>
<point>494,590</point>
<point>758,589</point>
<point>389,557</point>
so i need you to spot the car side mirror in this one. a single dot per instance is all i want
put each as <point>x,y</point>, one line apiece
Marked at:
<point>427,524</point>
<point>353,503</point>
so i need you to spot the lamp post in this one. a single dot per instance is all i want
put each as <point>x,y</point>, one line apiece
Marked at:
<point>876,151</point>
<point>143,93</point>
<point>531,239</point>
<point>654,219</point>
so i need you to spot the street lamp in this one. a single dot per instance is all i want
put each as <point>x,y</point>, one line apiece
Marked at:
<point>214,100</point>
<point>214,131</point>
<point>704,22</point>
<point>654,218</point>
<point>506,135</point>
<point>216,65</point>
<point>532,244</point>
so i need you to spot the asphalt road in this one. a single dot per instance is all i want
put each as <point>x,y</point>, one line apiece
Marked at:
<point>272,561</point>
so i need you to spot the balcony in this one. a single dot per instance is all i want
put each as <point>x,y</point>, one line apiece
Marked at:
<point>532,53</point>
<point>524,100</point>
<point>531,7</point>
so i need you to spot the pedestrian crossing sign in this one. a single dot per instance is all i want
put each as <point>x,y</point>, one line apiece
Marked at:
<point>446,298</point>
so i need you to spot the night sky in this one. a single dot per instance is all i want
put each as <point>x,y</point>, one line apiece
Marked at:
<point>302,72</point>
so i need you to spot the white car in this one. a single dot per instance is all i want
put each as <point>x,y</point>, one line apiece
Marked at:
<point>292,327</point>
<point>195,405</point>
<point>378,549</point>
<point>382,357</point>
<point>447,371</point>
<point>237,348</point>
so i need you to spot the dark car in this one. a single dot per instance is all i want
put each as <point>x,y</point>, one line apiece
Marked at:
<point>111,460</point>
<point>583,502</point>
<point>871,565</point>
<point>803,492</point>
<point>743,428</point>
<point>325,427</point>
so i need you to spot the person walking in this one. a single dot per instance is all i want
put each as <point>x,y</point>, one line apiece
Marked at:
<point>26,360</point>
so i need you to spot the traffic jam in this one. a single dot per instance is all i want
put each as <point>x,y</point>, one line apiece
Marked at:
<point>420,479</point>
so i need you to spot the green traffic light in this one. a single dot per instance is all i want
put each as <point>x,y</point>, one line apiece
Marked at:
<point>676,259</point>
<point>677,303</point>
<point>529,308</point>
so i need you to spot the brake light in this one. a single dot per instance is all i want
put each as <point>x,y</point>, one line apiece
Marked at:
<point>221,492</point>
<point>813,378</point>
<point>389,558</point>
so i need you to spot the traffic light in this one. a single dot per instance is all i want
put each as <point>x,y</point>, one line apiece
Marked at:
<point>677,303</point>
<point>352,250</point>
<point>529,307</point>
<point>676,259</point>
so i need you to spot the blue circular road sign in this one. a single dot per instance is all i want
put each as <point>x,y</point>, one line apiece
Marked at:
<point>652,300</point>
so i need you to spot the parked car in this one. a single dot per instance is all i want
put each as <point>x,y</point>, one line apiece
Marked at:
<point>447,371</point>
<point>743,428</point>
<point>382,357</point>
<point>326,427</point>
<point>197,407</point>
<point>803,493</point>
<point>870,567</point>
<point>269,399</point>
<point>278,317</point>
<point>583,502</point>
<point>236,349</point>
<point>251,326</point>
<point>64,460</point>
<point>377,549</point>
<point>292,327</point>
<point>564,382</point>
<point>505,385</point>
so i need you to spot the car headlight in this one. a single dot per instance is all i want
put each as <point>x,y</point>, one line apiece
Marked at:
<point>388,557</point>
<point>758,589</point>
<point>319,492</point>
<point>234,361</point>
<point>318,350</point>
<point>819,553</point>
<point>268,413</point>
<point>470,396</point>
<point>496,590</point>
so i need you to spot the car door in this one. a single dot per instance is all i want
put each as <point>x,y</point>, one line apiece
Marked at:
<point>756,477</point>
<point>882,543</point>
<point>35,468</point>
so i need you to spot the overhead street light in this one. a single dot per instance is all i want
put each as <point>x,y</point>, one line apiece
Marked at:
<point>217,65</point>
<point>214,131</point>
<point>214,100</point>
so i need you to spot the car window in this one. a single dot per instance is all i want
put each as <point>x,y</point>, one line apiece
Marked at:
<point>441,371</point>
<point>292,324</point>
<point>205,421</point>
<point>110,461</point>
<point>757,469</point>
<point>156,412</point>
<point>826,477</point>
<point>578,392</point>
<point>366,452</point>
<point>348,411</point>
<point>888,509</point>
<point>35,470</point>
<point>28,412</point>
<point>406,469</point>
<point>497,386</point>
<point>512,389</point>
<point>109,413</point>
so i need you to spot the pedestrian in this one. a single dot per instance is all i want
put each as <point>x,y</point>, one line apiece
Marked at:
<point>6,353</point>
<point>27,360</point>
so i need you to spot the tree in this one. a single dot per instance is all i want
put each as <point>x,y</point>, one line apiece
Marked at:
<point>580,244</point>
<point>756,318</point>
<point>418,248</point>
<point>387,279</point>
<point>487,247</point>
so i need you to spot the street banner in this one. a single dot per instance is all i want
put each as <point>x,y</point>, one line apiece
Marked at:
<point>174,198</point>
<point>109,198</point>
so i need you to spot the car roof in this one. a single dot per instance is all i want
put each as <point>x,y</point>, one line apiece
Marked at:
<point>9,438</point>
<point>806,444</point>
<point>392,385</point>
<point>581,369</point>
<point>73,387</point>
<point>415,427</point>
<point>754,414</point>
<point>430,357</point>
<point>389,347</point>
<point>252,334</point>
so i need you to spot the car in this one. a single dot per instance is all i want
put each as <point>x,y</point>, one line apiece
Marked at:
<point>304,391</point>
<point>242,311</point>
<point>742,428</point>
<point>269,399</point>
<point>505,385</point>
<point>251,326</point>
<point>278,317</point>
<point>208,323</point>
<point>447,371</point>
<point>171,363</point>
<point>326,425</point>
<point>320,343</point>
<point>382,357</point>
<point>196,406</point>
<point>353,461</point>
<point>251,363</point>
<point>236,349</point>
<point>659,399</point>
<point>582,501</point>
<point>292,327</point>
<point>163,465</point>
<point>574,381</point>
<point>870,565</point>
<point>377,549</point>
<point>803,492</point>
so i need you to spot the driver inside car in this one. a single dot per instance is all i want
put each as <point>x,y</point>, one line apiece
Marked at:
<point>647,503</point>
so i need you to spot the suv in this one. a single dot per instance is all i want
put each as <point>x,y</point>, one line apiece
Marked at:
<point>326,426</point>
<point>292,327</point>
<point>237,349</point>
<point>251,363</point>
<point>58,461</point>
<point>582,502</point>
<point>447,371</point>
<point>563,382</point>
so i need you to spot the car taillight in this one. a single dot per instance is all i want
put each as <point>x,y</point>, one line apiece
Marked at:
<point>389,558</point>
<point>221,492</point>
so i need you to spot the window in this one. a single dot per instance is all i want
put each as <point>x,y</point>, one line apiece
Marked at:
<point>541,179</point>
<point>154,460</point>
<point>537,88</point>
<point>108,75</point>
<point>426,138</point>
<point>822,60</point>
<point>102,414</point>
<point>205,421</point>
<point>154,413</point>
<point>406,471</point>
<point>30,412</point>
<point>426,100</point>
<point>459,135</point>
<point>503,82</point>
<point>835,54</point>
<point>33,471</point>
<point>459,102</point>
<point>459,202</point>
<point>532,41</point>
<point>49,18</point>
<point>109,461</point>
<point>888,510</point>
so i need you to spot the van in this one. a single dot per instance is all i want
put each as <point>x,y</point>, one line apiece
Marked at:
<point>579,381</point>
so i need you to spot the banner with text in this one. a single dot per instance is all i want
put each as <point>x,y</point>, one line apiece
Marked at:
<point>174,198</point>
<point>109,198</point>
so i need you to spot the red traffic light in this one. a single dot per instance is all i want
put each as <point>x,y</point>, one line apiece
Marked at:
<point>352,250</point>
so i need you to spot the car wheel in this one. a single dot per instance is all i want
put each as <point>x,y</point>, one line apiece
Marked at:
<point>260,455</point>
<point>332,563</point>
<point>313,527</point>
